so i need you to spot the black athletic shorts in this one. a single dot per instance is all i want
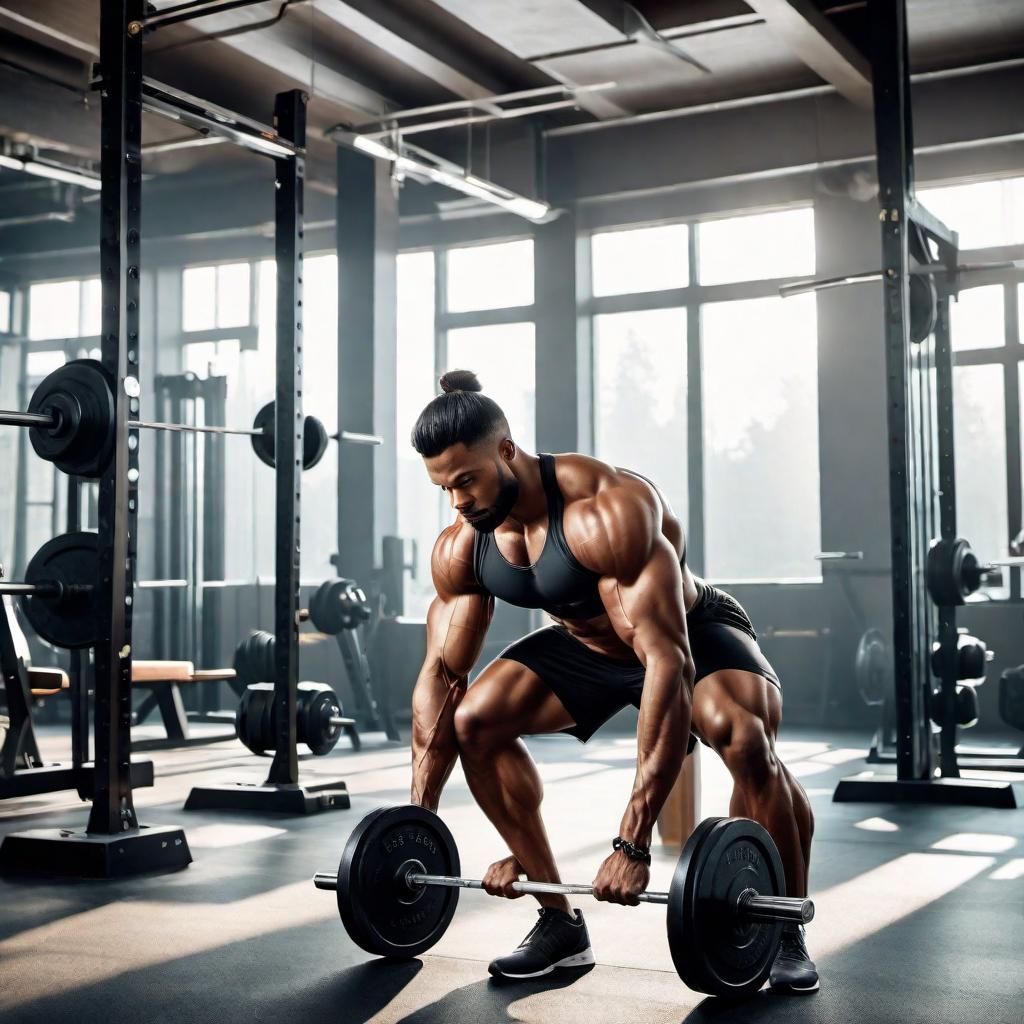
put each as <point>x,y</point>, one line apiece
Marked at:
<point>593,687</point>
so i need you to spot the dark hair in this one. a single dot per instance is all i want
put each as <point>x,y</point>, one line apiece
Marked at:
<point>460,414</point>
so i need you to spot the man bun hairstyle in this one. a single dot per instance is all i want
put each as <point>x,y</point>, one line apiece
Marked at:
<point>460,414</point>
<point>459,380</point>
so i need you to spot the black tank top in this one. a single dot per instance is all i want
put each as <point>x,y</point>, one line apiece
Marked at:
<point>556,582</point>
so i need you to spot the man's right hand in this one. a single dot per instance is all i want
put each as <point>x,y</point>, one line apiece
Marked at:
<point>500,875</point>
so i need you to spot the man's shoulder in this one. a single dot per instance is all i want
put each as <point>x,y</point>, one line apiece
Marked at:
<point>452,560</point>
<point>588,485</point>
<point>609,512</point>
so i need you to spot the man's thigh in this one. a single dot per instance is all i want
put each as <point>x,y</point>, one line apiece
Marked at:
<point>509,696</point>
<point>731,699</point>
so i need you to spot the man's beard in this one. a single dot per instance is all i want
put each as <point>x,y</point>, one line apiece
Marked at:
<point>494,516</point>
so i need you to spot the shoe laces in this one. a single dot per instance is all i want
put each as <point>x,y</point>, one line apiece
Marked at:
<point>544,935</point>
<point>792,946</point>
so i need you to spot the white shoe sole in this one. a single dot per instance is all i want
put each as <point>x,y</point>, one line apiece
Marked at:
<point>801,989</point>
<point>583,959</point>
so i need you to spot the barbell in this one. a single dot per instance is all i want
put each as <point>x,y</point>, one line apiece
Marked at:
<point>72,422</point>
<point>398,881</point>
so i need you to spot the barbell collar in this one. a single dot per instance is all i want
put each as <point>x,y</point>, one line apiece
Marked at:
<point>753,907</point>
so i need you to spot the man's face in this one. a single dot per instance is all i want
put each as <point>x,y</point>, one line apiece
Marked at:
<point>478,482</point>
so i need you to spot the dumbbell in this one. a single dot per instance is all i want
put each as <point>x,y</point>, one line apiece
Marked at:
<point>318,718</point>
<point>398,881</point>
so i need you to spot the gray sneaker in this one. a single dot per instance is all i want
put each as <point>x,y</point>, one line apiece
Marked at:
<point>793,970</point>
<point>556,940</point>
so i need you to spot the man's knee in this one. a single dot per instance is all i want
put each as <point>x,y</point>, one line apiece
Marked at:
<point>474,729</point>
<point>748,754</point>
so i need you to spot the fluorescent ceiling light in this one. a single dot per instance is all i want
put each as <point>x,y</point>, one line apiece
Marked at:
<point>52,171</point>
<point>456,178</point>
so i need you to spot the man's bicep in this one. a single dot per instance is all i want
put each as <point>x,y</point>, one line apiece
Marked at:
<point>648,610</point>
<point>456,628</point>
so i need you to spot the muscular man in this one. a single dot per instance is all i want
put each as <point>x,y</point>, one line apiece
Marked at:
<point>600,551</point>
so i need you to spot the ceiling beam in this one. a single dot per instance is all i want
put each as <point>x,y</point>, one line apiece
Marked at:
<point>285,47</point>
<point>388,31</point>
<point>820,45</point>
<point>625,18</point>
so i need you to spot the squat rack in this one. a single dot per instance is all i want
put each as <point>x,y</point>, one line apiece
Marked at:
<point>114,842</point>
<point>922,497</point>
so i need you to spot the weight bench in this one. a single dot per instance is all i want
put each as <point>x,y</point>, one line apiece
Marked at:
<point>164,680</point>
<point>45,682</point>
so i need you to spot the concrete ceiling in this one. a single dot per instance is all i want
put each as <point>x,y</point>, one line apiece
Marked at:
<point>361,59</point>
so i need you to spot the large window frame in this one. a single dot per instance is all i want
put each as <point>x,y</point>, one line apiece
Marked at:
<point>692,298</point>
<point>1010,357</point>
<point>446,320</point>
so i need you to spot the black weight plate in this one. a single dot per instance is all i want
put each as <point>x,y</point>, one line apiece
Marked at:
<point>80,397</point>
<point>973,658</point>
<point>873,668</point>
<point>254,724</point>
<point>924,307</point>
<point>713,951</point>
<point>951,572</point>
<point>318,704</point>
<point>380,913</point>
<point>326,610</point>
<point>263,444</point>
<point>71,620</point>
<point>314,441</point>
<point>314,438</point>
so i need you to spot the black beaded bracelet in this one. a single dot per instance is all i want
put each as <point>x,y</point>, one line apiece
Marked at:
<point>630,850</point>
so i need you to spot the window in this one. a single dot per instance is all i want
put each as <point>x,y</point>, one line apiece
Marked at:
<point>743,366</point>
<point>502,356</point>
<point>984,213</point>
<point>490,276</point>
<point>462,331</point>
<point>215,296</point>
<point>5,312</point>
<point>64,309</point>
<point>640,412</point>
<point>757,247</point>
<point>762,510</point>
<point>41,364</point>
<point>980,458</point>
<point>210,358</point>
<point>640,259</point>
<point>977,318</point>
<point>419,501</point>
<point>986,327</point>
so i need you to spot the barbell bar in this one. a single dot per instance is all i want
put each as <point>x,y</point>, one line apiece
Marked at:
<point>749,906</point>
<point>818,284</point>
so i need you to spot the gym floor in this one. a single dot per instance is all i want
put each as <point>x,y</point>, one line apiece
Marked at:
<point>919,910</point>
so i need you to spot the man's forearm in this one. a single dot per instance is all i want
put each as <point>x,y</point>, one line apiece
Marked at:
<point>434,747</point>
<point>663,731</point>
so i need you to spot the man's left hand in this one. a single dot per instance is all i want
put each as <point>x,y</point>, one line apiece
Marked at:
<point>621,880</point>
